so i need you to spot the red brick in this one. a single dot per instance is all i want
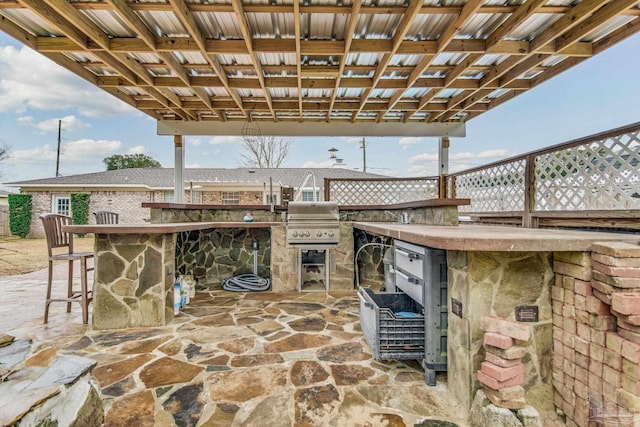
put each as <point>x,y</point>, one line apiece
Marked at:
<point>602,323</point>
<point>617,249</point>
<point>569,325</point>
<point>595,368</point>
<point>580,301</point>
<point>515,352</point>
<point>610,375</point>
<point>517,330</point>
<point>630,368</point>
<point>596,352</point>
<point>617,271</point>
<point>626,302</point>
<point>598,337</point>
<point>497,360</point>
<point>569,297</point>
<point>581,374</point>
<point>557,317</point>
<point>612,359</point>
<point>605,298</point>
<point>631,384</point>
<point>569,368</point>
<point>569,381</point>
<point>628,326</point>
<point>499,373</point>
<point>633,319</point>
<point>572,270</point>
<point>582,361</point>
<point>595,306</point>
<point>614,342</point>
<point>557,293</point>
<point>582,316</point>
<point>581,346</point>
<point>616,262</point>
<point>569,311</point>
<point>498,385</point>
<point>498,340</point>
<point>595,383</point>
<point>569,353</point>
<point>583,331</point>
<point>629,283</point>
<point>631,351</point>
<point>582,287</point>
<point>515,403</point>
<point>609,389</point>
<point>602,287</point>
<point>568,283</point>
<point>628,401</point>
<point>568,339</point>
<point>629,335</point>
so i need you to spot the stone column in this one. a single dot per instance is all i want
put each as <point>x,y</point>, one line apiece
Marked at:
<point>134,276</point>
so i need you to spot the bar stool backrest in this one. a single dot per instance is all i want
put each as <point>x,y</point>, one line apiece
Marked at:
<point>56,238</point>
<point>106,217</point>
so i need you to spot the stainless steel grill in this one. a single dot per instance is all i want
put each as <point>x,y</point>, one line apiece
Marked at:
<point>313,223</point>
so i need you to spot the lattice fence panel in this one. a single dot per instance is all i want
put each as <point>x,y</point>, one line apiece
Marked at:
<point>498,188</point>
<point>382,192</point>
<point>600,175</point>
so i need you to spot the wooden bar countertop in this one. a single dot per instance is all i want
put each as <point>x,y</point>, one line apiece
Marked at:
<point>494,238</point>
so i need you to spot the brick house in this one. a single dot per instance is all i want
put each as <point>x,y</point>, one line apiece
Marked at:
<point>124,190</point>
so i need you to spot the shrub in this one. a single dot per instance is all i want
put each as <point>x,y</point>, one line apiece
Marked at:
<point>80,208</point>
<point>20,214</point>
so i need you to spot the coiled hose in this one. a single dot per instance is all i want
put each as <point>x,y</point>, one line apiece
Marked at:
<point>246,283</point>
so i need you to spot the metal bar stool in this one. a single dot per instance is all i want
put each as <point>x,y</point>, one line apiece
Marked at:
<point>56,238</point>
<point>106,217</point>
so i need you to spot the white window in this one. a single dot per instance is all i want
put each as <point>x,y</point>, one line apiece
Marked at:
<point>267,199</point>
<point>230,198</point>
<point>196,197</point>
<point>62,205</point>
<point>167,196</point>
<point>307,196</point>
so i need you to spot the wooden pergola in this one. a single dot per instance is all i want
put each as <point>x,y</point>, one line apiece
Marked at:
<point>317,67</point>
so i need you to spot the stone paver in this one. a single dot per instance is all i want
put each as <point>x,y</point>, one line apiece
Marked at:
<point>301,360</point>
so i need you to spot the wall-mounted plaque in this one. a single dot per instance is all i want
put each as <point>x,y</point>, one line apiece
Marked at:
<point>527,313</point>
<point>456,307</point>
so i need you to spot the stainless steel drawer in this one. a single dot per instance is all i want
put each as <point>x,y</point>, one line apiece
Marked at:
<point>410,261</point>
<point>411,286</point>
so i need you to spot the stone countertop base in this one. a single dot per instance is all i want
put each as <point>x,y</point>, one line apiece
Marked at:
<point>494,238</point>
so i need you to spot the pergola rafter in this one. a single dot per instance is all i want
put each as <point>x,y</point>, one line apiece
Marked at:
<point>309,62</point>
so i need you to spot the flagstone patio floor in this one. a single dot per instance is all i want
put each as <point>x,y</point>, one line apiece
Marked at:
<point>236,359</point>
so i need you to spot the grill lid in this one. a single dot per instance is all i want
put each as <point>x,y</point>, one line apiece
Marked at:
<point>309,211</point>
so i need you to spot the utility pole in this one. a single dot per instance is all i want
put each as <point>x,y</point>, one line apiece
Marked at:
<point>363,145</point>
<point>58,155</point>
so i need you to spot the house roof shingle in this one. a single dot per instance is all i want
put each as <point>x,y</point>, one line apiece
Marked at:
<point>159,178</point>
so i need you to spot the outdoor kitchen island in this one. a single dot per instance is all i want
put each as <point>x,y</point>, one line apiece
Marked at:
<point>492,271</point>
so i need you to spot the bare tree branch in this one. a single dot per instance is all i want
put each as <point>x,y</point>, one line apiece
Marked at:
<point>264,151</point>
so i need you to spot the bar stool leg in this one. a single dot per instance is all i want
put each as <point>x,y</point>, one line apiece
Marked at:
<point>70,285</point>
<point>48,300</point>
<point>84,292</point>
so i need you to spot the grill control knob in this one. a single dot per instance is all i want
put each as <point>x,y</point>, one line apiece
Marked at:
<point>307,233</point>
<point>331,234</point>
<point>295,234</point>
<point>319,234</point>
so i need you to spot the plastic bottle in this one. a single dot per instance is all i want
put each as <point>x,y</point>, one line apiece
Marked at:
<point>186,291</point>
<point>192,286</point>
<point>177,298</point>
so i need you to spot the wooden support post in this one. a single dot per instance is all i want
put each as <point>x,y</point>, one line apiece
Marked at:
<point>443,167</point>
<point>178,185</point>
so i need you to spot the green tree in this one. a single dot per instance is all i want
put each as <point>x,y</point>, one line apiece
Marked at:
<point>128,161</point>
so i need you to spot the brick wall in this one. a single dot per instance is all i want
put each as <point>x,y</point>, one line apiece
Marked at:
<point>596,335</point>
<point>126,203</point>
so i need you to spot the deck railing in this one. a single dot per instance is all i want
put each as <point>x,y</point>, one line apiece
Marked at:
<point>592,181</point>
<point>379,191</point>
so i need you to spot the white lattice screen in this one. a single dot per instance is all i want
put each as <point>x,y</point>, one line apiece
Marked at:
<point>592,174</point>
<point>382,192</point>
<point>498,188</point>
<point>600,175</point>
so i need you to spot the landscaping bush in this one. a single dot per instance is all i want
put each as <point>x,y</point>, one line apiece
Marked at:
<point>80,208</point>
<point>20,214</point>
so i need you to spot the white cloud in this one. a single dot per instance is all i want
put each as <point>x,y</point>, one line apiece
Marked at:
<point>138,149</point>
<point>488,154</point>
<point>409,140</point>
<point>25,120</point>
<point>424,157</point>
<point>196,142</point>
<point>69,124</point>
<point>31,81</point>
<point>220,140</point>
<point>80,151</point>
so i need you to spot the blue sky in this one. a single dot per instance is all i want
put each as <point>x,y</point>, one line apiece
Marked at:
<point>601,93</point>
